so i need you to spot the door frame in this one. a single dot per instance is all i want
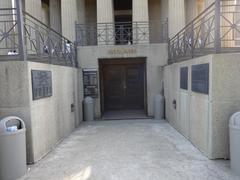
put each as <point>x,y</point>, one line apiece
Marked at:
<point>122,61</point>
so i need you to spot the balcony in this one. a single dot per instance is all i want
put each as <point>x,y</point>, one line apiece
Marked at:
<point>215,30</point>
<point>23,37</point>
<point>122,33</point>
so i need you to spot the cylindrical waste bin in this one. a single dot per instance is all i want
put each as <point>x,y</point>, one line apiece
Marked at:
<point>159,107</point>
<point>88,109</point>
<point>13,163</point>
<point>234,128</point>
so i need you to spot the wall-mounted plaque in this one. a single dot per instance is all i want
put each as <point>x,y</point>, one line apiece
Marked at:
<point>41,84</point>
<point>90,82</point>
<point>184,78</point>
<point>200,78</point>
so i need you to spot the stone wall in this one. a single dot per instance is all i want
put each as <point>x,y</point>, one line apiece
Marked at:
<point>201,118</point>
<point>14,95</point>
<point>51,118</point>
<point>48,120</point>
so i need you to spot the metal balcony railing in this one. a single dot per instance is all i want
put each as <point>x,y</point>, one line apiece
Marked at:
<point>215,30</point>
<point>122,33</point>
<point>24,37</point>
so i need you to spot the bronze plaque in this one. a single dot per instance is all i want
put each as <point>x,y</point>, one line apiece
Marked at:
<point>200,78</point>
<point>184,78</point>
<point>41,84</point>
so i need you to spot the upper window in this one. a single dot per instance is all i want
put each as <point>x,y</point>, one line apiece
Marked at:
<point>122,4</point>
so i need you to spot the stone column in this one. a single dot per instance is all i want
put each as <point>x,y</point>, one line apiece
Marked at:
<point>69,18</point>
<point>83,32</point>
<point>228,30</point>
<point>191,10</point>
<point>33,7</point>
<point>105,20</point>
<point>5,26</point>
<point>140,10</point>
<point>140,20</point>
<point>176,16</point>
<point>105,11</point>
<point>5,4</point>
<point>55,15</point>
<point>164,9</point>
<point>208,3</point>
<point>81,11</point>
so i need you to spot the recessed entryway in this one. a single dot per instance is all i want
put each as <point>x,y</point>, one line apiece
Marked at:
<point>123,84</point>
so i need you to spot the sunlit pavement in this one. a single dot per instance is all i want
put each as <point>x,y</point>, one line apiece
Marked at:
<point>128,150</point>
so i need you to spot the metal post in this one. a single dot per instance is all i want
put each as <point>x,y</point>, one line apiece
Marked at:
<point>121,34</point>
<point>106,31</point>
<point>76,31</point>
<point>192,40</point>
<point>21,38</point>
<point>136,27</point>
<point>39,49</point>
<point>217,37</point>
<point>49,47</point>
<point>169,51</point>
<point>167,34</point>
<point>178,45</point>
<point>75,56</point>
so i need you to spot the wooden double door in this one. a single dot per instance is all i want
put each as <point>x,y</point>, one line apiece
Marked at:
<point>123,86</point>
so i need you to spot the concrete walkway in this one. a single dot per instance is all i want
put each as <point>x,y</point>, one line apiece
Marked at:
<point>128,150</point>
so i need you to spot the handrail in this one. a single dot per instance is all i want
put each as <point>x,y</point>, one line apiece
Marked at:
<point>51,29</point>
<point>122,33</point>
<point>45,41</point>
<point>123,22</point>
<point>212,31</point>
<point>202,13</point>
<point>25,37</point>
<point>6,9</point>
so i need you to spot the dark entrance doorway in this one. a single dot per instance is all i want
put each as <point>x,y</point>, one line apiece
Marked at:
<point>123,84</point>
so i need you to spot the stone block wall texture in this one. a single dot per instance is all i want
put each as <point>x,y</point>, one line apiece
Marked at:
<point>203,119</point>
<point>48,120</point>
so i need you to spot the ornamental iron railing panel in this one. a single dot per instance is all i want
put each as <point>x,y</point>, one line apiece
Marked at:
<point>47,44</point>
<point>215,30</point>
<point>8,31</point>
<point>122,33</point>
<point>24,37</point>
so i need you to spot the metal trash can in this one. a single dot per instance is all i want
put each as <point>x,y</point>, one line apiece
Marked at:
<point>234,128</point>
<point>159,107</point>
<point>13,163</point>
<point>88,109</point>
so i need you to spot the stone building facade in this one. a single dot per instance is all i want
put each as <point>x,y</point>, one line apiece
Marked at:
<point>122,56</point>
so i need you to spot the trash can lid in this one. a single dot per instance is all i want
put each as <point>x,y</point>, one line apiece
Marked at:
<point>88,100</point>
<point>12,123</point>
<point>235,120</point>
